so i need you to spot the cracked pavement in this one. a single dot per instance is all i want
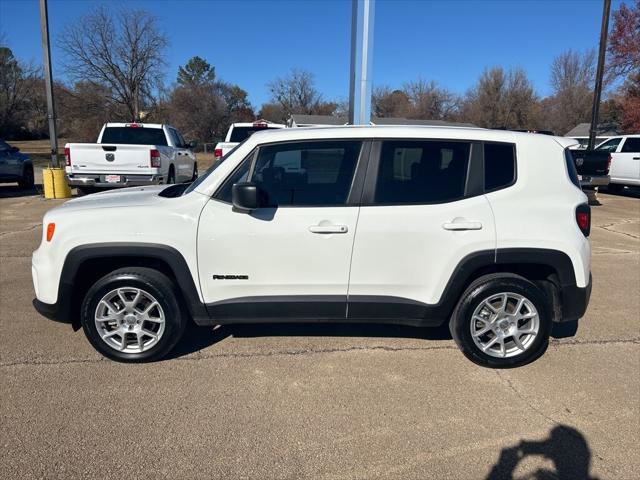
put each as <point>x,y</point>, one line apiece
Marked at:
<point>322,401</point>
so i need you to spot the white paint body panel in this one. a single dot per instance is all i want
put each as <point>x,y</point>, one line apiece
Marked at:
<point>625,166</point>
<point>278,253</point>
<point>404,251</point>
<point>397,250</point>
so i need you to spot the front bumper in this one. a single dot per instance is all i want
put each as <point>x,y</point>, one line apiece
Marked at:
<point>99,180</point>
<point>575,301</point>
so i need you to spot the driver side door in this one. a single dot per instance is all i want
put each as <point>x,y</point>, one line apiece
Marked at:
<point>290,258</point>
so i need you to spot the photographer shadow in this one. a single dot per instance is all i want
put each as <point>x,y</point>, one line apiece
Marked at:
<point>566,447</point>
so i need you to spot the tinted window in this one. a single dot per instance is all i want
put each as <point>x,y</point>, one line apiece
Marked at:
<point>238,176</point>
<point>631,145</point>
<point>306,174</point>
<point>4,146</point>
<point>421,172</point>
<point>571,167</point>
<point>239,134</point>
<point>499,165</point>
<point>610,145</point>
<point>134,136</point>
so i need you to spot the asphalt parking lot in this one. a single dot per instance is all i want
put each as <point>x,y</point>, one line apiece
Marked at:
<point>322,402</point>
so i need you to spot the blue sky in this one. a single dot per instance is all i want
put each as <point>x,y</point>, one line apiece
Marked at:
<point>251,42</point>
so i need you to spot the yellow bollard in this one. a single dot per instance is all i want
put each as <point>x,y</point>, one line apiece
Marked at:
<point>55,183</point>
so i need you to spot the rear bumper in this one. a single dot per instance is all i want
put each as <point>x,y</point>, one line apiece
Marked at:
<point>594,180</point>
<point>98,180</point>
<point>575,301</point>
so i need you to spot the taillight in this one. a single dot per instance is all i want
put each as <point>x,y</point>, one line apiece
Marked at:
<point>155,158</point>
<point>609,163</point>
<point>51,228</point>
<point>133,125</point>
<point>583,218</point>
<point>217,153</point>
<point>67,156</point>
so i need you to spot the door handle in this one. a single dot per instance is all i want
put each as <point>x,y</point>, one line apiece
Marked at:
<point>462,226</point>
<point>636,158</point>
<point>328,229</point>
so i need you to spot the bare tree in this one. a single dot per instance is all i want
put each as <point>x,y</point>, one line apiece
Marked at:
<point>431,102</point>
<point>18,88</point>
<point>122,52</point>
<point>572,76</point>
<point>296,93</point>
<point>386,102</point>
<point>502,100</point>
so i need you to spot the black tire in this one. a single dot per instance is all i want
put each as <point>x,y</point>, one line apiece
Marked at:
<point>150,281</point>
<point>27,181</point>
<point>82,191</point>
<point>171,177</point>
<point>483,288</point>
<point>195,172</point>
<point>615,188</point>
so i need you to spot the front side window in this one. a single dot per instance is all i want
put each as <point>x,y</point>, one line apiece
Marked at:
<point>610,145</point>
<point>422,172</point>
<point>631,145</point>
<point>306,174</point>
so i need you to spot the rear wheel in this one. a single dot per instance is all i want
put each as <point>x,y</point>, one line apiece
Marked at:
<point>615,188</point>
<point>133,315</point>
<point>502,321</point>
<point>27,180</point>
<point>171,177</point>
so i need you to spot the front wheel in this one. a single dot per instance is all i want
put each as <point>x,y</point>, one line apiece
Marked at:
<point>502,321</point>
<point>133,315</point>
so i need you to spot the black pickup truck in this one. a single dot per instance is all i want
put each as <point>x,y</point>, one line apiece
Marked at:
<point>592,166</point>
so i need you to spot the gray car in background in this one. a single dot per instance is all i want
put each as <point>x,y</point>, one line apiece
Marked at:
<point>15,166</point>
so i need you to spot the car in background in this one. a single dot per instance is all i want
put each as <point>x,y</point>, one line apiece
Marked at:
<point>15,166</point>
<point>131,154</point>
<point>624,151</point>
<point>239,132</point>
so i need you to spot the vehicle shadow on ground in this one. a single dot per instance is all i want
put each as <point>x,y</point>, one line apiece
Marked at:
<point>14,191</point>
<point>565,447</point>
<point>197,338</point>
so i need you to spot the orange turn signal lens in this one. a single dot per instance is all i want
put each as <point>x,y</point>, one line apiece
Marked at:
<point>50,229</point>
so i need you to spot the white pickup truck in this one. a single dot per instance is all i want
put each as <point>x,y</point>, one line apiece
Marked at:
<point>130,154</point>
<point>625,161</point>
<point>239,132</point>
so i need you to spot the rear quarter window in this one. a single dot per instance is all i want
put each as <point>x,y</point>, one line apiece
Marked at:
<point>499,166</point>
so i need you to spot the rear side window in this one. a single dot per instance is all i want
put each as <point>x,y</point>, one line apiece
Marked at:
<point>571,167</point>
<point>499,166</point>
<point>631,145</point>
<point>239,134</point>
<point>422,172</point>
<point>134,136</point>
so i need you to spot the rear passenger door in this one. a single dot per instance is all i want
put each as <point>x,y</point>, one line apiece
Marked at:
<point>423,211</point>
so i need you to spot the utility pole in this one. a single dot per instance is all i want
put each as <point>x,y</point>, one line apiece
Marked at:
<point>362,14</point>
<point>46,52</point>
<point>604,29</point>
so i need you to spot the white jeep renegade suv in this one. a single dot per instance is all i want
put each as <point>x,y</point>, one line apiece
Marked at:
<point>486,230</point>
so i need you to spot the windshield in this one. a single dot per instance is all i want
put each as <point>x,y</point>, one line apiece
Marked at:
<point>134,136</point>
<point>210,170</point>
<point>609,145</point>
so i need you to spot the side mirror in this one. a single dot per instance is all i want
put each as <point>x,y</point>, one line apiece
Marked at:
<point>245,196</point>
<point>192,144</point>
